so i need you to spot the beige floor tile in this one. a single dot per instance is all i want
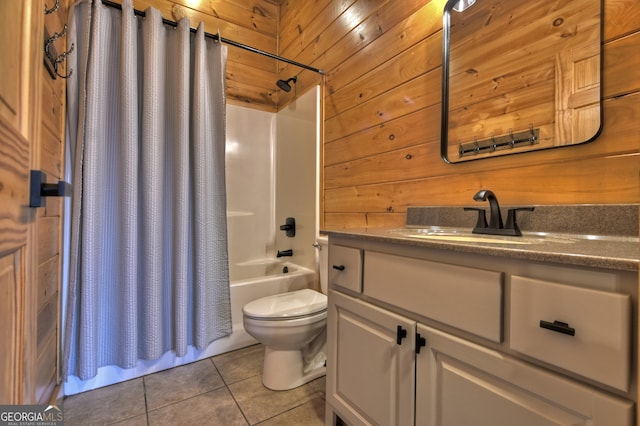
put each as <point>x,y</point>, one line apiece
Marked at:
<point>134,421</point>
<point>259,403</point>
<point>213,408</point>
<point>319,385</point>
<point>105,405</point>
<point>180,383</point>
<point>308,414</point>
<point>241,364</point>
<point>196,394</point>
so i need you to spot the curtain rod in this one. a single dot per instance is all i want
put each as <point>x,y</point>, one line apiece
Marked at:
<point>222,40</point>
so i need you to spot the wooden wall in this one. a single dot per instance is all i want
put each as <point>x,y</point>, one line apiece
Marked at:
<point>251,78</point>
<point>382,94</point>
<point>382,116</point>
<point>50,159</point>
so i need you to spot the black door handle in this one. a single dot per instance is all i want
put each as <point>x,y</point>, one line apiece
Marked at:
<point>38,188</point>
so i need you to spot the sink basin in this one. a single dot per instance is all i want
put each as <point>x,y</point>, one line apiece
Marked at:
<point>463,235</point>
<point>469,238</point>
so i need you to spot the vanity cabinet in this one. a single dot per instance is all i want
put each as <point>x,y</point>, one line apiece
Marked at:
<point>372,363</point>
<point>462,383</point>
<point>418,337</point>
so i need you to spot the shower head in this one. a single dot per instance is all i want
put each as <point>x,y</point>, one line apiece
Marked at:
<point>284,84</point>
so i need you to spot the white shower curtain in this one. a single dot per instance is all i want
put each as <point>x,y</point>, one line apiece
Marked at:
<point>148,266</point>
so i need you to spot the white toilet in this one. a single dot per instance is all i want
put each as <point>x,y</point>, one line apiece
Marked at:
<point>292,326</point>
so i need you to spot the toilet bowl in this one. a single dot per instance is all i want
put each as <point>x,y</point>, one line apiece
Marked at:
<point>292,327</point>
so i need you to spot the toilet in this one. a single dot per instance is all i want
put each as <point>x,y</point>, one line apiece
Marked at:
<point>292,326</point>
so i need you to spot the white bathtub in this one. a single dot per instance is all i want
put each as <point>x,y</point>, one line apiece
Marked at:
<point>242,291</point>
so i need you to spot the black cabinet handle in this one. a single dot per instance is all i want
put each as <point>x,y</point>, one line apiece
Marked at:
<point>339,267</point>
<point>558,327</point>
<point>401,333</point>
<point>420,342</point>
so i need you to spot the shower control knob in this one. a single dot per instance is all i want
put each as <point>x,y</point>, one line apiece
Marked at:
<point>289,227</point>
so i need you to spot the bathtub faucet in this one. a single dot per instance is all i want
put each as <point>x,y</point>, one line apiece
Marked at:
<point>282,253</point>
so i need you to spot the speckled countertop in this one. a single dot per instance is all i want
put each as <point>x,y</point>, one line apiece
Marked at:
<point>587,241</point>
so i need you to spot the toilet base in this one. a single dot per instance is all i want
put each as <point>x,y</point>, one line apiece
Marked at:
<point>286,369</point>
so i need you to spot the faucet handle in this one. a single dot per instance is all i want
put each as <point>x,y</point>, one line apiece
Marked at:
<point>289,227</point>
<point>511,219</point>
<point>481,223</point>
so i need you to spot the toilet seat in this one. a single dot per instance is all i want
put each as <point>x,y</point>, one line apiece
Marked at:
<point>286,306</point>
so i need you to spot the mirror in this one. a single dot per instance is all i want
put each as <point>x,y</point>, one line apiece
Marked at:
<point>519,75</point>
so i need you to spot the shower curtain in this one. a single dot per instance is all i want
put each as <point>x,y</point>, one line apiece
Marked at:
<point>148,268</point>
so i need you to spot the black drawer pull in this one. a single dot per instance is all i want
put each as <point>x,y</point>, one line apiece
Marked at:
<point>339,267</point>
<point>559,327</point>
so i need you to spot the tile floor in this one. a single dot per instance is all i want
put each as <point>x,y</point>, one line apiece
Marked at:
<point>223,390</point>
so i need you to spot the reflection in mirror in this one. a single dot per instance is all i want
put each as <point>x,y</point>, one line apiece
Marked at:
<point>519,75</point>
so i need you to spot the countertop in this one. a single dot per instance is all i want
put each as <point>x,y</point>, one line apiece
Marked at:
<point>608,252</point>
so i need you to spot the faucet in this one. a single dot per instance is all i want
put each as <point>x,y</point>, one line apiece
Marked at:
<point>283,253</point>
<point>496,227</point>
<point>495,221</point>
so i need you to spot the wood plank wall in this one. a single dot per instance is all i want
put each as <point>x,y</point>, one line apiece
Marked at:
<point>382,94</point>
<point>382,114</point>
<point>251,78</point>
<point>50,158</point>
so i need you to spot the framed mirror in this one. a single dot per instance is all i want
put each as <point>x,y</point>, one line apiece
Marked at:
<point>519,75</point>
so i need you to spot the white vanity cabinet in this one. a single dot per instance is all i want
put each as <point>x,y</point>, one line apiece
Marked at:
<point>372,363</point>
<point>462,383</point>
<point>420,338</point>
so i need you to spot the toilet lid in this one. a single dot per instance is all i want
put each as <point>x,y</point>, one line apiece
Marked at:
<point>287,305</point>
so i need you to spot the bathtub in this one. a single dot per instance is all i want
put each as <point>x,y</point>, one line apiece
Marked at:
<point>251,281</point>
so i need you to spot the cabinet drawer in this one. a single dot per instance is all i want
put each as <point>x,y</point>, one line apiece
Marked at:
<point>467,298</point>
<point>345,267</point>
<point>599,348</point>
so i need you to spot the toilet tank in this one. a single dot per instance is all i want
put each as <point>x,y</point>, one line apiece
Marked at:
<point>323,260</point>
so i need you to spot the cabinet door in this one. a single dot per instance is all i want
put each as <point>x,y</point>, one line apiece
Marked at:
<point>370,377</point>
<point>461,383</point>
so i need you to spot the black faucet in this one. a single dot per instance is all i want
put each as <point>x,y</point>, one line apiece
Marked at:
<point>495,218</point>
<point>496,227</point>
<point>283,253</point>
